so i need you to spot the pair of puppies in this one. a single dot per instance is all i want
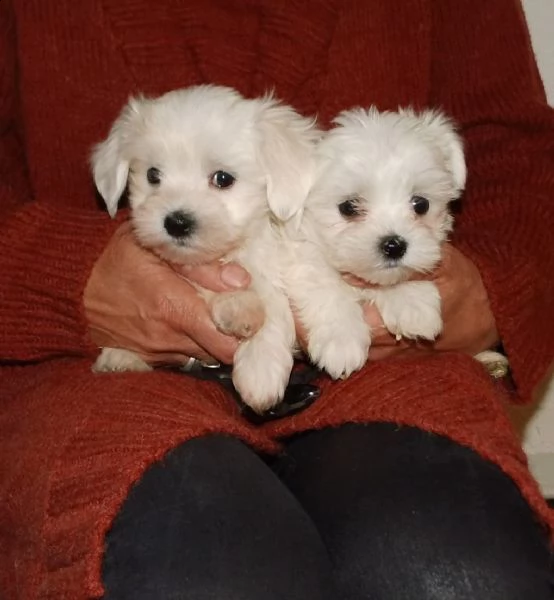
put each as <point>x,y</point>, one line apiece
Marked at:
<point>214,176</point>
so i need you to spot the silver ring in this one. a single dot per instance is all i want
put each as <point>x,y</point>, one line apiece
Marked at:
<point>189,365</point>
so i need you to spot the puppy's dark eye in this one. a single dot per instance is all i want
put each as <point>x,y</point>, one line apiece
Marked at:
<point>420,205</point>
<point>350,207</point>
<point>222,180</point>
<point>154,176</point>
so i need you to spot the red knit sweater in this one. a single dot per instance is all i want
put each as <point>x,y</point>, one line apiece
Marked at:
<point>71,443</point>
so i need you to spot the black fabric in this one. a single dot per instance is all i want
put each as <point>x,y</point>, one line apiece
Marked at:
<point>212,522</point>
<point>407,515</point>
<point>373,512</point>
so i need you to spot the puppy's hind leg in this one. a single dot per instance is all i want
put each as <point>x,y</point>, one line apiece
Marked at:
<point>496,364</point>
<point>117,360</point>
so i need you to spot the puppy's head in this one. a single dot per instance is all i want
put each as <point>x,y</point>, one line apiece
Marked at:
<point>204,166</point>
<point>383,185</point>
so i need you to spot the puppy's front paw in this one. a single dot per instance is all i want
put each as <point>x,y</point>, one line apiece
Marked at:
<point>240,314</point>
<point>496,364</point>
<point>117,359</point>
<point>340,347</point>
<point>412,310</point>
<point>261,373</point>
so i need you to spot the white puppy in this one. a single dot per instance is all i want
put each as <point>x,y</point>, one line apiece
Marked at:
<point>379,209</point>
<point>212,175</point>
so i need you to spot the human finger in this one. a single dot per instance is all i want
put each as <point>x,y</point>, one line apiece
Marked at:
<point>216,277</point>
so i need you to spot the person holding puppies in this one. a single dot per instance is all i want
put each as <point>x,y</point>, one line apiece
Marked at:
<point>405,480</point>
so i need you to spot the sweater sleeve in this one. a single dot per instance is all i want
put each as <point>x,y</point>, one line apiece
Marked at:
<point>47,251</point>
<point>484,74</point>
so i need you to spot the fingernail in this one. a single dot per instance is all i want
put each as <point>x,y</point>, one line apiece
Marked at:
<point>234,276</point>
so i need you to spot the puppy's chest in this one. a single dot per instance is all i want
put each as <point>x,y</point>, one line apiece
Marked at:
<point>363,295</point>
<point>261,257</point>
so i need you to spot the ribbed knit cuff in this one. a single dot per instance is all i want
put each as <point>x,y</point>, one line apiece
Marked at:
<point>520,287</point>
<point>47,256</point>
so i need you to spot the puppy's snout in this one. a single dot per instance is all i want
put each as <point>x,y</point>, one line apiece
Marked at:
<point>179,224</point>
<point>393,247</point>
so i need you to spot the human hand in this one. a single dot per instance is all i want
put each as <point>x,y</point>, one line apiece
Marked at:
<point>469,324</point>
<point>136,301</point>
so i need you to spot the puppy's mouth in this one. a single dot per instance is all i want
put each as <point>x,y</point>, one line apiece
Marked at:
<point>392,264</point>
<point>186,252</point>
<point>194,250</point>
<point>389,274</point>
<point>180,242</point>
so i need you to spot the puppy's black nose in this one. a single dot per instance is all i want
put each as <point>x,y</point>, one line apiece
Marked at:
<point>179,224</point>
<point>393,247</point>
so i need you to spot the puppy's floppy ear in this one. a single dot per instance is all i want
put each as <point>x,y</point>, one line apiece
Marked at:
<point>444,135</point>
<point>110,166</point>
<point>286,154</point>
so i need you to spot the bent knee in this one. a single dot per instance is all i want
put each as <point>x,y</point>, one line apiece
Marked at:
<point>434,520</point>
<point>442,555</point>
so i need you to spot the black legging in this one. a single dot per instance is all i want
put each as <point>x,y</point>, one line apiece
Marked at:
<point>373,512</point>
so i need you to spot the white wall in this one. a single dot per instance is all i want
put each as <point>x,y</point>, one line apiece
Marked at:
<point>539,433</point>
<point>540,17</point>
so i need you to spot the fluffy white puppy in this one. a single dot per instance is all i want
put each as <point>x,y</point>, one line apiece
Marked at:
<point>212,175</point>
<point>379,209</point>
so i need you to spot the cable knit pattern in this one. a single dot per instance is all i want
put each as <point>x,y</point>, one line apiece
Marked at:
<point>71,442</point>
<point>41,303</point>
<point>508,208</point>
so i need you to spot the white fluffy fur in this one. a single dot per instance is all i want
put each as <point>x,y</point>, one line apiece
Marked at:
<point>188,135</point>
<point>382,160</point>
